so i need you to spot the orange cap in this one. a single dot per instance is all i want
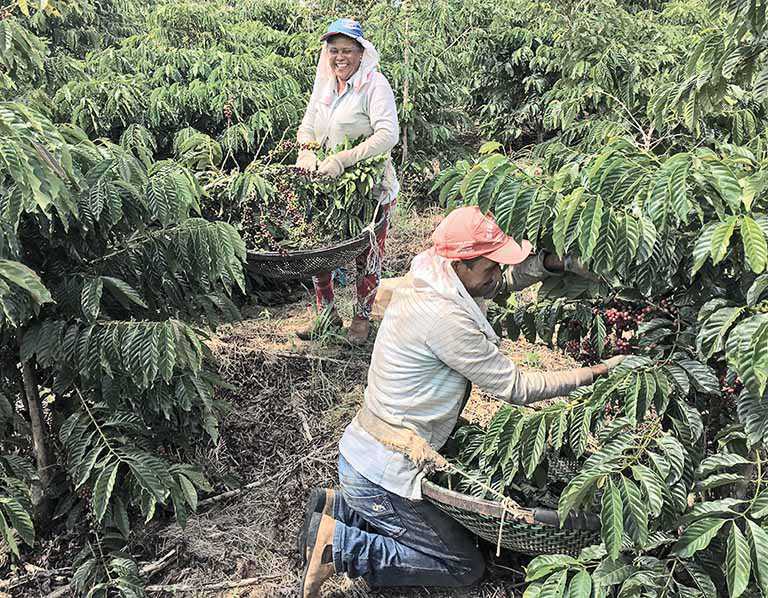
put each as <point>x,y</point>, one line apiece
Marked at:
<point>467,233</point>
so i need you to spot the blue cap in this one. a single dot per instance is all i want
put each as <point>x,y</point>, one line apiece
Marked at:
<point>348,27</point>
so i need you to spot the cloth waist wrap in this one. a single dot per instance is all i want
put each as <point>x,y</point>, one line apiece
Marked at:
<point>403,440</point>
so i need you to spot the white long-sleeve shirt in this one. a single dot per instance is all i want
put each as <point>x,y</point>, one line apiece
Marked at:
<point>434,338</point>
<point>363,109</point>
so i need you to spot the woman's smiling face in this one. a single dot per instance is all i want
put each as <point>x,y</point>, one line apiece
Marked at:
<point>344,56</point>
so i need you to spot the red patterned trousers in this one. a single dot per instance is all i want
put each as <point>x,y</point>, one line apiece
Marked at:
<point>368,274</point>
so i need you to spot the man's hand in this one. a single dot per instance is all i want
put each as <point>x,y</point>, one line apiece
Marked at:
<point>331,167</point>
<point>575,266</point>
<point>307,160</point>
<point>606,367</point>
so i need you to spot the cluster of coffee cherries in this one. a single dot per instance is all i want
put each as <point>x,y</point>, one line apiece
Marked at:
<point>616,318</point>
<point>668,306</point>
<point>621,316</point>
<point>622,346</point>
<point>281,150</point>
<point>416,184</point>
<point>266,224</point>
<point>582,351</point>
<point>255,231</point>
<point>289,197</point>
<point>573,347</point>
<point>229,109</point>
<point>86,495</point>
<point>731,387</point>
<point>615,407</point>
<point>622,320</point>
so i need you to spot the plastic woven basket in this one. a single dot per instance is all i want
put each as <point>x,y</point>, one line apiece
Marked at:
<point>543,536</point>
<point>302,264</point>
<point>561,468</point>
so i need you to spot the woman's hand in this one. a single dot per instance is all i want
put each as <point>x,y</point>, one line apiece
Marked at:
<point>307,160</point>
<point>331,167</point>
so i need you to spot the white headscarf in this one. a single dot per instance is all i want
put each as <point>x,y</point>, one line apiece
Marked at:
<point>436,274</point>
<point>325,80</point>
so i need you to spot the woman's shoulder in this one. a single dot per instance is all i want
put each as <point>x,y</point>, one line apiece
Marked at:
<point>377,78</point>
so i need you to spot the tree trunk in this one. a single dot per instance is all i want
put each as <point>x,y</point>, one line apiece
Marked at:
<point>40,489</point>
<point>406,8</point>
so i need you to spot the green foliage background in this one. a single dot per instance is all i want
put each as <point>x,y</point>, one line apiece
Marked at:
<point>631,134</point>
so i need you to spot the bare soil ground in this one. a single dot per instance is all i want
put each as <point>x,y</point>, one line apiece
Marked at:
<point>290,402</point>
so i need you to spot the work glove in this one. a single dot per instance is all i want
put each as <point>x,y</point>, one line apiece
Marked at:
<point>606,367</point>
<point>331,167</point>
<point>576,266</point>
<point>307,160</point>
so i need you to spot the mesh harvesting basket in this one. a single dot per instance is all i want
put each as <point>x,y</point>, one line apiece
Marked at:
<point>542,536</point>
<point>561,468</point>
<point>301,264</point>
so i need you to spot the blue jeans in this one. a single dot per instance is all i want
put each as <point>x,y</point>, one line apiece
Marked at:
<point>393,541</point>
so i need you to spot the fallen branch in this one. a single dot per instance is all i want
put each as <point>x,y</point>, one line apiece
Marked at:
<point>289,355</point>
<point>158,565</point>
<point>285,354</point>
<point>15,582</point>
<point>146,570</point>
<point>260,483</point>
<point>224,585</point>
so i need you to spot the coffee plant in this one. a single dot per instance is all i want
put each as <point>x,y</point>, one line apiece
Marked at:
<point>532,81</point>
<point>669,213</point>
<point>279,207</point>
<point>109,282</point>
<point>108,279</point>
<point>212,67</point>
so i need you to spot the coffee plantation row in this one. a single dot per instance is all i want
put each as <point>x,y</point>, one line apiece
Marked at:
<point>143,152</point>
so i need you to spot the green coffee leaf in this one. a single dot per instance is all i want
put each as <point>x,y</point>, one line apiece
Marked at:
<point>554,587</point>
<point>721,239</point>
<point>652,486</point>
<point>545,564</point>
<point>611,573</point>
<point>580,586</point>
<point>755,245</point>
<point>90,298</point>
<point>756,290</point>
<point>635,511</point>
<point>720,461</point>
<point>758,538</point>
<point>102,489</point>
<point>738,564</point>
<point>697,536</point>
<point>19,519</point>
<point>612,520</point>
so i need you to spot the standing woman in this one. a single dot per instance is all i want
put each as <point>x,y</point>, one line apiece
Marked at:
<point>351,99</point>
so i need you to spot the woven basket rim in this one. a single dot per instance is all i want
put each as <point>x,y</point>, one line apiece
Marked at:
<point>482,506</point>
<point>271,256</point>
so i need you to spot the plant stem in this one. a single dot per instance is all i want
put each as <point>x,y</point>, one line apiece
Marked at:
<point>98,427</point>
<point>39,442</point>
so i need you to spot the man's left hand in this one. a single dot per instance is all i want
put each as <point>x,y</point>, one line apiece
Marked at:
<point>331,167</point>
<point>576,266</point>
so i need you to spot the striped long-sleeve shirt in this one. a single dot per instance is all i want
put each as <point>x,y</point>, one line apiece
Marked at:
<point>434,338</point>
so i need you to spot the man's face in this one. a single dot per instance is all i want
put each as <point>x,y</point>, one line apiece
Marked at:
<point>481,277</point>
